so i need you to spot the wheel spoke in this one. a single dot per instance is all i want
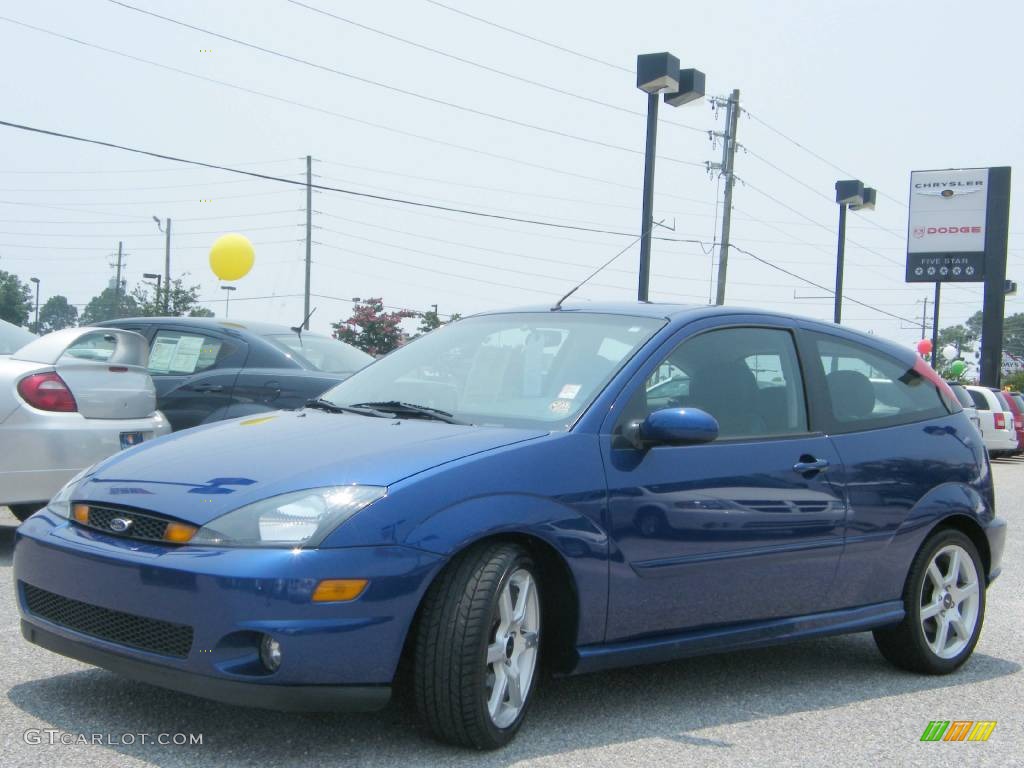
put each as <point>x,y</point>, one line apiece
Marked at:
<point>941,636</point>
<point>523,600</point>
<point>498,691</point>
<point>496,652</point>
<point>959,594</point>
<point>515,693</point>
<point>931,610</point>
<point>935,575</point>
<point>953,573</point>
<point>957,623</point>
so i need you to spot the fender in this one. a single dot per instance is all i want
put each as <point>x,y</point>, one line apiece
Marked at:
<point>581,544</point>
<point>891,559</point>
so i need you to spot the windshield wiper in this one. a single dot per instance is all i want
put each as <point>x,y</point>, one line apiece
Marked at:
<point>326,405</point>
<point>406,409</point>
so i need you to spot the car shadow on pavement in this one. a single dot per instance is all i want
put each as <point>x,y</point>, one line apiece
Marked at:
<point>7,544</point>
<point>673,702</point>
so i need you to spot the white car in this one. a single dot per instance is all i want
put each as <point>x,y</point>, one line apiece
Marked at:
<point>997,428</point>
<point>67,400</point>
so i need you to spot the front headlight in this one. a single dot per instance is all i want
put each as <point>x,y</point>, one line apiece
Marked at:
<point>303,518</point>
<point>60,504</point>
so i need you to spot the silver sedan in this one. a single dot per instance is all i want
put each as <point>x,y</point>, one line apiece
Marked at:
<point>67,400</point>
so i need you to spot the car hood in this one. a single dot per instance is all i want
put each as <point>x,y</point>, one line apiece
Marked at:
<point>199,474</point>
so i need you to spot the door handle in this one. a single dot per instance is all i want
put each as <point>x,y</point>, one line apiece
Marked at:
<point>814,465</point>
<point>207,387</point>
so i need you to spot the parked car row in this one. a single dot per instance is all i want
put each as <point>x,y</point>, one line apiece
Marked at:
<point>76,396</point>
<point>1001,420</point>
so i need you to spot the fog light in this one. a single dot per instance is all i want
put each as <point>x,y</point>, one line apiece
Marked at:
<point>270,653</point>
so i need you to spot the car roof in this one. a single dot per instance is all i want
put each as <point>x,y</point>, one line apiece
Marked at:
<point>212,323</point>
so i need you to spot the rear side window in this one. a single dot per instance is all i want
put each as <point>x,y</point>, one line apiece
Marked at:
<point>868,389</point>
<point>178,352</point>
<point>961,395</point>
<point>1001,399</point>
<point>980,401</point>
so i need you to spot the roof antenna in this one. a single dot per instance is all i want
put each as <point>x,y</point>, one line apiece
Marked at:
<point>584,281</point>
<point>297,329</point>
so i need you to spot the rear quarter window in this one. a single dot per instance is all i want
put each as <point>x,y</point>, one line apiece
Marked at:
<point>869,389</point>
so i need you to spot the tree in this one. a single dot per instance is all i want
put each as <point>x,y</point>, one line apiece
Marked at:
<point>201,312</point>
<point>371,329</point>
<point>15,299</point>
<point>431,320</point>
<point>1013,331</point>
<point>56,314</point>
<point>182,301</point>
<point>105,307</point>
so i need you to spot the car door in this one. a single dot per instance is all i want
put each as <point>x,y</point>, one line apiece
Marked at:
<point>194,371</point>
<point>746,527</point>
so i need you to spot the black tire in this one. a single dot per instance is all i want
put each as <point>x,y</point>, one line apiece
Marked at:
<point>24,511</point>
<point>905,644</point>
<point>455,627</point>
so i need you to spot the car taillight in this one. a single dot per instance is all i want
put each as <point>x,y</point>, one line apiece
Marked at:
<point>47,392</point>
<point>1000,420</point>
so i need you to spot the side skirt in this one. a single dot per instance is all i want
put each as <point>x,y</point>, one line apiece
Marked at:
<point>649,650</point>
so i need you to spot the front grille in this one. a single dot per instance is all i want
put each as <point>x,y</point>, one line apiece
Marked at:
<point>151,635</point>
<point>142,526</point>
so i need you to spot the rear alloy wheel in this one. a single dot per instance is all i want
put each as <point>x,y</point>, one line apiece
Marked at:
<point>945,604</point>
<point>478,645</point>
<point>24,511</point>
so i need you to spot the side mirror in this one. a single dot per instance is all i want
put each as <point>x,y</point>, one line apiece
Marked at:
<point>673,426</point>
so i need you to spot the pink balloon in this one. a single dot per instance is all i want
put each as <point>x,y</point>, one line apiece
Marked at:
<point>924,346</point>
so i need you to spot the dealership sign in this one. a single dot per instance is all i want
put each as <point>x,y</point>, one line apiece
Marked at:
<point>946,230</point>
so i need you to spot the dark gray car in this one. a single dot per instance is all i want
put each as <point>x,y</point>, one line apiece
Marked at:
<point>207,369</point>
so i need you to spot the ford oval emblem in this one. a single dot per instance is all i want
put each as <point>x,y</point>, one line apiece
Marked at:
<point>120,524</point>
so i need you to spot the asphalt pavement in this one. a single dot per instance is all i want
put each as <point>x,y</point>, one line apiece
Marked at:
<point>832,702</point>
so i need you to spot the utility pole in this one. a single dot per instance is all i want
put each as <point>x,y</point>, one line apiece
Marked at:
<point>309,235</point>
<point>935,326</point>
<point>732,116</point>
<point>924,316</point>
<point>167,269</point>
<point>117,282</point>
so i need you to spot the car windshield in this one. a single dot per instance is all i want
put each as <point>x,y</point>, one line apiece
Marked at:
<point>320,353</point>
<point>522,369</point>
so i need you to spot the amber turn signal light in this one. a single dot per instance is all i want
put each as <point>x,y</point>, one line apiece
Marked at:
<point>80,512</point>
<point>179,533</point>
<point>338,590</point>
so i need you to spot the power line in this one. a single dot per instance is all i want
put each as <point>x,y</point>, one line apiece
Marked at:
<point>324,111</point>
<point>487,68</point>
<point>516,32</point>
<point>814,154</point>
<point>396,89</point>
<point>296,183</point>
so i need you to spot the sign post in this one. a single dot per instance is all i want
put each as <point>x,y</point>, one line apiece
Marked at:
<point>957,233</point>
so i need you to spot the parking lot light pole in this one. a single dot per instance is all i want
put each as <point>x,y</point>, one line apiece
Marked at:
<point>227,298</point>
<point>167,260</point>
<point>36,281</point>
<point>154,276</point>
<point>656,74</point>
<point>852,194</point>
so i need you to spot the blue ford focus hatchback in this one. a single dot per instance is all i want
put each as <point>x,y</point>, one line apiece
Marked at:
<point>582,487</point>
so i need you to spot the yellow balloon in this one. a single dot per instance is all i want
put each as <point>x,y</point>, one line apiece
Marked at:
<point>232,256</point>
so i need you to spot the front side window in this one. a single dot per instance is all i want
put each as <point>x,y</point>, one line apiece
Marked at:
<point>183,353</point>
<point>868,389</point>
<point>747,378</point>
<point>538,369</point>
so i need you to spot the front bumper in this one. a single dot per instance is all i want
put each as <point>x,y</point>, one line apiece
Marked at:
<point>334,655</point>
<point>290,698</point>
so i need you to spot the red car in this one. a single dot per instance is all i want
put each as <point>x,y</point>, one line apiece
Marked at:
<point>1014,407</point>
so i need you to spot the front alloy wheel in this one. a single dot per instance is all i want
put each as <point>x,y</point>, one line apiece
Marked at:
<point>945,607</point>
<point>478,646</point>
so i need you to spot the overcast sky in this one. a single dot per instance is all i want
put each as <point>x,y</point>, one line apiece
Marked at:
<point>875,88</point>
